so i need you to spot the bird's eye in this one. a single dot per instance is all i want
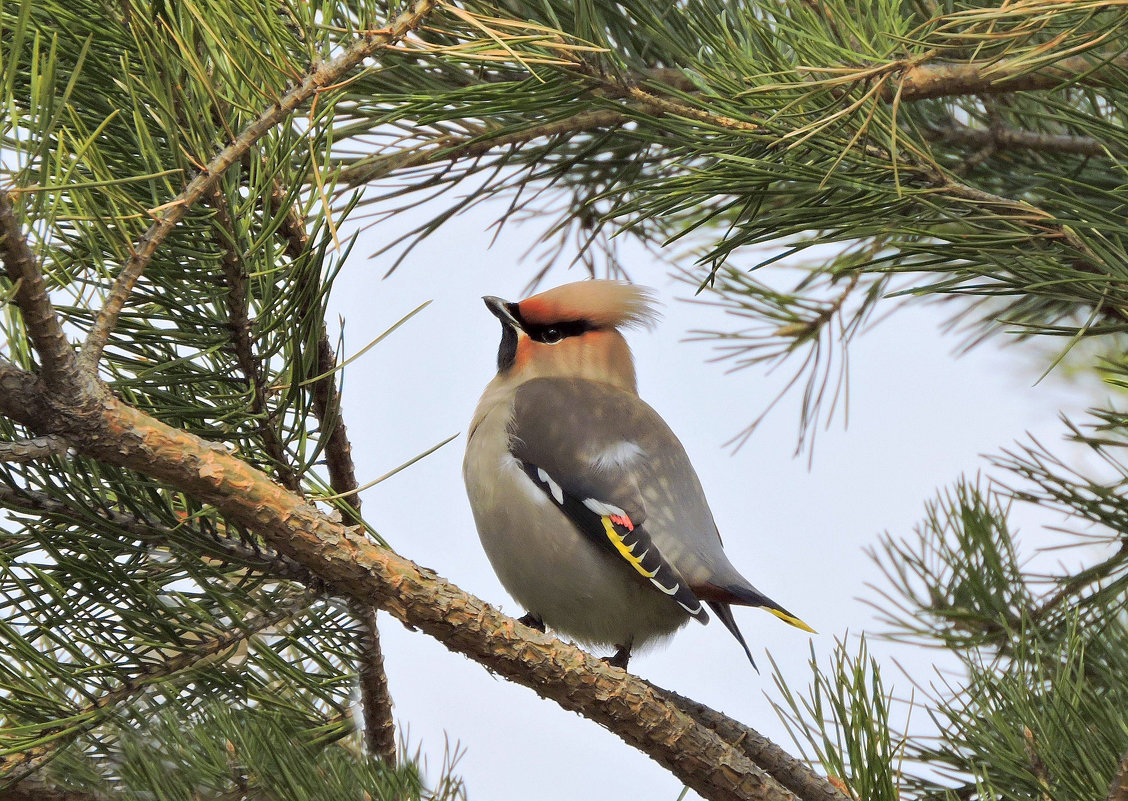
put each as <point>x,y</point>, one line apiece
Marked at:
<point>551,336</point>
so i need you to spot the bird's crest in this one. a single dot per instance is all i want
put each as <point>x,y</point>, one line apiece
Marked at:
<point>602,303</point>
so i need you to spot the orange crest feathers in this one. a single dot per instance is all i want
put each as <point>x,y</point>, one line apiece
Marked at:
<point>604,304</point>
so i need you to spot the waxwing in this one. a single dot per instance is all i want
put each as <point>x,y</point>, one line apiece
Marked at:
<point>586,503</point>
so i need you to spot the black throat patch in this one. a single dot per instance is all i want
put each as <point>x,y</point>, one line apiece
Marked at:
<point>507,350</point>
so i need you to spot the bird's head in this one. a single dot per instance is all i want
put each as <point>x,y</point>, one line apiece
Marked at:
<point>572,331</point>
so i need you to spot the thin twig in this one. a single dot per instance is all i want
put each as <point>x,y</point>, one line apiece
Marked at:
<point>452,148</point>
<point>338,449</point>
<point>998,138</point>
<point>376,699</point>
<point>326,399</point>
<point>1037,766</point>
<point>239,326</point>
<point>375,696</point>
<point>319,79</point>
<point>58,364</point>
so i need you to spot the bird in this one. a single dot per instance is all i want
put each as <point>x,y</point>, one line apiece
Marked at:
<point>585,501</point>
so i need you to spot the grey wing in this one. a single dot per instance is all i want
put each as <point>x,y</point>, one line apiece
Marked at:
<point>587,445</point>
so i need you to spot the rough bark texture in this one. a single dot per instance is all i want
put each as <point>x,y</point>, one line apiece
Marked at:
<point>1118,789</point>
<point>995,77</point>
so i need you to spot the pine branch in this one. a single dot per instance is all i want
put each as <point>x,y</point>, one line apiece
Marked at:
<point>27,450</point>
<point>453,148</point>
<point>239,326</point>
<point>338,449</point>
<point>920,82</point>
<point>58,364</point>
<point>376,700</point>
<point>375,696</point>
<point>927,173</point>
<point>924,81</point>
<point>257,557</point>
<point>357,569</point>
<point>23,764</point>
<point>1118,789</point>
<point>1002,138</point>
<point>319,78</point>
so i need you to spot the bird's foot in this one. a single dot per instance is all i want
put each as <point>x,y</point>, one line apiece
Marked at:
<point>620,658</point>
<point>532,621</point>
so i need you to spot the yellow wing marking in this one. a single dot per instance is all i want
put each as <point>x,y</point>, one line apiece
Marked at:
<point>621,547</point>
<point>794,621</point>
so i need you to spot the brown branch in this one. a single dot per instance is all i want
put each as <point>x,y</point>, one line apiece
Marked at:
<point>357,569</point>
<point>338,449</point>
<point>1118,789</point>
<point>1009,75</point>
<point>58,364</point>
<point>927,173</point>
<point>930,79</point>
<point>28,450</point>
<point>319,79</point>
<point>239,326</point>
<point>1037,766</point>
<point>24,763</point>
<point>1014,138</point>
<point>375,696</point>
<point>376,699</point>
<point>453,148</point>
<point>792,773</point>
<point>918,83</point>
<point>326,399</point>
<point>33,790</point>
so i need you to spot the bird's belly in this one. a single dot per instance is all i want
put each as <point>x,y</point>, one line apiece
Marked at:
<point>555,572</point>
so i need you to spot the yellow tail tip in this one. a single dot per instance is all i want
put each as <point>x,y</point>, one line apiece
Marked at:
<point>791,619</point>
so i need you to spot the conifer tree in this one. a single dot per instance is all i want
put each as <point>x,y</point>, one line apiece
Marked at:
<point>188,588</point>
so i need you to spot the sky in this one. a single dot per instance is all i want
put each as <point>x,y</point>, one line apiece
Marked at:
<point>919,417</point>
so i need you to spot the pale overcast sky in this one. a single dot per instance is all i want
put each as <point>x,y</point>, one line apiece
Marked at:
<point>919,417</point>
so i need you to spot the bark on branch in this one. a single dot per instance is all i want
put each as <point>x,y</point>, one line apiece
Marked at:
<point>28,450</point>
<point>58,364</point>
<point>375,696</point>
<point>1017,139</point>
<point>1118,789</point>
<point>1007,75</point>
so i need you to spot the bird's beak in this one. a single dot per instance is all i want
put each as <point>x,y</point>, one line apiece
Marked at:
<point>504,311</point>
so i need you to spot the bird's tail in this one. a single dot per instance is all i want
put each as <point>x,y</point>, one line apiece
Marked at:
<point>750,596</point>
<point>724,614</point>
